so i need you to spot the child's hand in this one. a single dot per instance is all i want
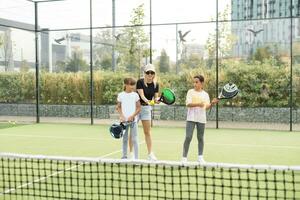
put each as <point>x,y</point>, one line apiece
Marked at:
<point>215,101</point>
<point>122,118</point>
<point>131,118</point>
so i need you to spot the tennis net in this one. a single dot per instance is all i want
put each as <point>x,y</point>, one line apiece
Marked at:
<point>47,177</point>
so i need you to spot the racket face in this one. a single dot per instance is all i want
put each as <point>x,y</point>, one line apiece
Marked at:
<point>116,130</point>
<point>221,96</point>
<point>229,91</point>
<point>167,96</point>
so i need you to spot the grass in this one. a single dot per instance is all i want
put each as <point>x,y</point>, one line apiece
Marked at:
<point>222,145</point>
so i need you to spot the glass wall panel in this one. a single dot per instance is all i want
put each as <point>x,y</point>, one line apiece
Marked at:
<point>64,75</point>
<point>17,75</point>
<point>68,14</point>
<point>169,11</point>
<point>17,13</point>
<point>255,55</point>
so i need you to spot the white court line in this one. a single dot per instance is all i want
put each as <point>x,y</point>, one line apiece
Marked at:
<point>54,137</point>
<point>57,173</point>
<point>158,141</point>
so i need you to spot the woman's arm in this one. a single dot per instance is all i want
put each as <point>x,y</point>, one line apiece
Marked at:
<point>156,98</point>
<point>141,93</point>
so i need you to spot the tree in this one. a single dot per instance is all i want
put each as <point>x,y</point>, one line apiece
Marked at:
<point>103,50</point>
<point>164,62</point>
<point>226,40</point>
<point>6,46</point>
<point>24,66</point>
<point>74,64</point>
<point>266,53</point>
<point>133,43</point>
<point>193,61</point>
<point>262,53</point>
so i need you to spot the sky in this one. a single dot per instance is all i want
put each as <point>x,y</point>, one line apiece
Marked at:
<point>75,14</point>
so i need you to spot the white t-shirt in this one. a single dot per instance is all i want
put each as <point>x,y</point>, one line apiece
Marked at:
<point>128,102</point>
<point>196,114</point>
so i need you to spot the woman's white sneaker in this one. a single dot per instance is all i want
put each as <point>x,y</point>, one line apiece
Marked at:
<point>152,157</point>
<point>201,160</point>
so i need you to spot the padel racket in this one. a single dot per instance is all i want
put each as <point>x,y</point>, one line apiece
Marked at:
<point>229,91</point>
<point>117,129</point>
<point>167,96</point>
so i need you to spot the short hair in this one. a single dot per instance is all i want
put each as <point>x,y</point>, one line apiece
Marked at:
<point>200,77</point>
<point>129,81</point>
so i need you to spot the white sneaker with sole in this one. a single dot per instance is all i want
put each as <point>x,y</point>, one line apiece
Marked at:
<point>184,160</point>
<point>131,156</point>
<point>201,160</point>
<point>152,157</point>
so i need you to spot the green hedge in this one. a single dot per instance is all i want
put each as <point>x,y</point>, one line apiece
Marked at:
<point>73,88</point>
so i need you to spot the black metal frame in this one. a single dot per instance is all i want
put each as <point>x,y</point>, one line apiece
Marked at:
<point>36,31</point>
<point>37,67</point>
<point>291,67</point>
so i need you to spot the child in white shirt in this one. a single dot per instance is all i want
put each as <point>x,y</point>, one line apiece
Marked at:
<point>128,106</point>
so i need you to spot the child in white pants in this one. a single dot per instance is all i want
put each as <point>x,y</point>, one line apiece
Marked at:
<point>129,107</point>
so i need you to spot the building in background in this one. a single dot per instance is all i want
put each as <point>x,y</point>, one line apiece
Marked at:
<point>258,31</point>
<point>19,46</point>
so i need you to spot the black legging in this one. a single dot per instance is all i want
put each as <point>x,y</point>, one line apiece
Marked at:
<point>189,135</point>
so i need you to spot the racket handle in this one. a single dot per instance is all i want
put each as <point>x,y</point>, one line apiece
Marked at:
<point>209,110</point>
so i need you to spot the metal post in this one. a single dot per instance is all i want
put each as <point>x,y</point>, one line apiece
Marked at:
<point>177,49</point>
<point>91,64</point>
<point>217,61</point>
<point>150,31</point>
<point>37,76</point>
<point>152,112</point>
<point>114,61</point>
<point>291,67</point>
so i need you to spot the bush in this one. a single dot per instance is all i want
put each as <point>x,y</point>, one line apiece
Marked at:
<point>261,84</point>
<point>16,87</point>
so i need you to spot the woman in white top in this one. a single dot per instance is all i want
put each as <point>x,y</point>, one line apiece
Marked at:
<point>197,102</point>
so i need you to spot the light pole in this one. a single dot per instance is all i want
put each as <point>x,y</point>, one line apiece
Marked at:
<point>176,48</point>
<point>114,62</point>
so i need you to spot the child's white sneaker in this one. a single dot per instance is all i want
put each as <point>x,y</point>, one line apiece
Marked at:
<point>184,160</point>
<point>201,160</point>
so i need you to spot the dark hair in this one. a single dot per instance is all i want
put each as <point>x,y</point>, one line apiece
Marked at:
<point>129,81</point>
<point>200,78</point>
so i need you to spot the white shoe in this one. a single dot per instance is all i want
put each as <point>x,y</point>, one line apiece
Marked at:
<point>184,160</point>
<point>152,157</point>
<point>201,160</point>
<point>131,156</point>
